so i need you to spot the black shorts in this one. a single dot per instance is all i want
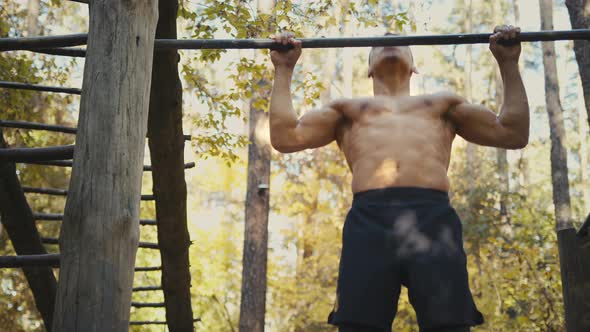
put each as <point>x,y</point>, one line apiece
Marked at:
<point>403,236</point>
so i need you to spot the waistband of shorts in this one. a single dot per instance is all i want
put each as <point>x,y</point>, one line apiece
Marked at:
<point>401,194</point>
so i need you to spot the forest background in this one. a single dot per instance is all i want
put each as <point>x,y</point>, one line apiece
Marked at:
<point>508,213</point>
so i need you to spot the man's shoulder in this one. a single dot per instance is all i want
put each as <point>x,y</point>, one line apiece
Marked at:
<point>447,96</point>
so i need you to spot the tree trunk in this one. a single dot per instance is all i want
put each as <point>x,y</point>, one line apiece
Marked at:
<point>100,230</point>
<point>575,270</point>
<point>33,7</point>
<point>583,152</point>
<point>579,11</point>
<point>347,74</point>
<point>32,18</point>
<point>254,261</point>
<point>516,10</point>
<point>166,142</point>
<point>559,170</point>
<point>17,218</point>
<point>471,150</point>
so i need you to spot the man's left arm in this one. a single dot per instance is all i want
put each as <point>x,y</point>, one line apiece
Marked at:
<point>510,129</point>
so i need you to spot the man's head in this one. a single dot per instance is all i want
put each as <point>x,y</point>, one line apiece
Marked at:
<point>391,61</point>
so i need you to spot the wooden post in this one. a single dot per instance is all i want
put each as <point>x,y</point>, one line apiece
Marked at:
<point>574,258</point>
<point>166,142</point>
<point>17,218</point>
<point>100,231</point>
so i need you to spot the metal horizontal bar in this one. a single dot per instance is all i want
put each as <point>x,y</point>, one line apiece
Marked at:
<point>58,163</point>
<point>186,166</point>
<point>81,1</point>
<point>52,260</point>
<point>148,269</point>
<point>584,230</point>
<point>37,126</point>
<point>156,322</point>
<point>148,222</point>
<point>62,192</point>
<point>21,155</point>
<point>146,245</point>
<point>63,51</point>
<point>36,87</point>
<point>59,217</point>
<point>148,305</point>
<point>29,260</point>
<point>48,216</point>
<point>147,323</point>
<point>30,43</point>
<point>147,288</point>
<point>45,191</point>
<point>149,245</point>
<point>42,126</point>
<point>69,163</point>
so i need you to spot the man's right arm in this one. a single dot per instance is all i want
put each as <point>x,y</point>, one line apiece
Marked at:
<point>287,132</point>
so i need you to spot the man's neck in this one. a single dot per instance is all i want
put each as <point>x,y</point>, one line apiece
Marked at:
<point>391,87</point>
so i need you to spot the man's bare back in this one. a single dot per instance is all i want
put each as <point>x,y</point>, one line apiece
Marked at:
<point>396,141</point>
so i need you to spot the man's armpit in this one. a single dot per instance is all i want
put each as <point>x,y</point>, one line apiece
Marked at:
<point>343,126</point>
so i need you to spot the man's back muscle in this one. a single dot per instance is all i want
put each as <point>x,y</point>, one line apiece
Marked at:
<point>396,141</point>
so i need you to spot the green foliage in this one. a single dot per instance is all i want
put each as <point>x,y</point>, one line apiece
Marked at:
<point>238,19</point>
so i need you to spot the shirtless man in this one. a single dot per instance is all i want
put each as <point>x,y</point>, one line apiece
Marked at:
<point>401,228</point>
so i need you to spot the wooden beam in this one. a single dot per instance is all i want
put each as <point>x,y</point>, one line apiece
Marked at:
<point>36,87</point>
<point>60,217</point>
<point>69,163</point>
<point>62,192</point>
<point>20,261</point>
<point>20,227</point>
<point>23,155</point>
<point>166,146</point>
